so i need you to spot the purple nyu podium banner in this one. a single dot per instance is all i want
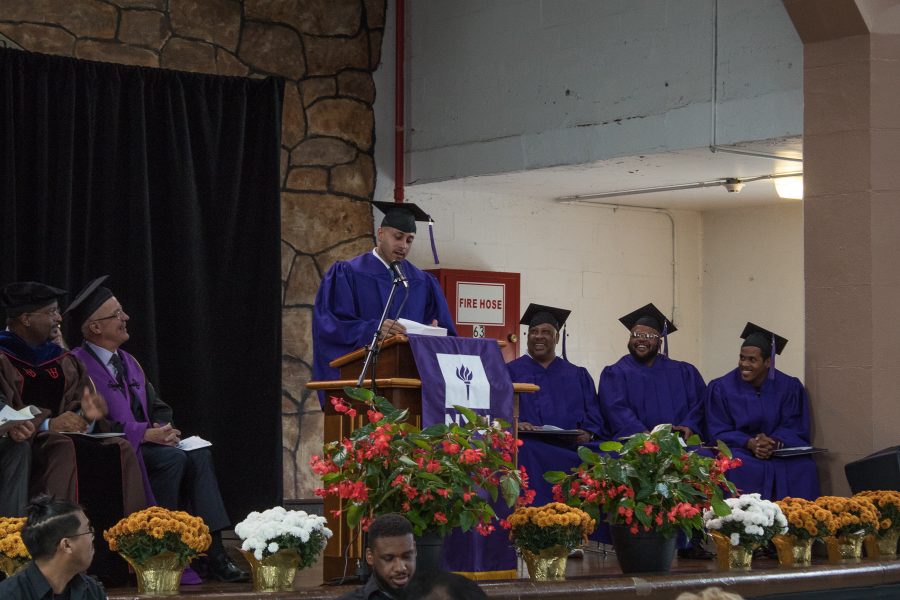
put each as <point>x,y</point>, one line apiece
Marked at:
<point>460,371</point>
<point>467,372</point>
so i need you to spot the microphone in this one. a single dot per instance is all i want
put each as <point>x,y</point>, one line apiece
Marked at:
<point>397,270</point>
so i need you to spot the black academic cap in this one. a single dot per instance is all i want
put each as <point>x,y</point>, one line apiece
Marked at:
<point>402,216</point>
<point>761,338</point>
<point>88,300</point>
<point>649,316</point>
<point>538,314</point>
<point>25,296</point>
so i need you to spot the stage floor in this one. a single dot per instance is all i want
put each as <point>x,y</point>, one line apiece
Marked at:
<point>597,575</point>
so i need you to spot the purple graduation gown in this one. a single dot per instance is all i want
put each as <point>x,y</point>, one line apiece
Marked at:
<point>350,301</point>
<point>635,397</point>
<point>735,412</point>
<point>567,400</point>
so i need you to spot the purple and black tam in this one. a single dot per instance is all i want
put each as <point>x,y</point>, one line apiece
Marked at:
<point>27,296</point>
<point>650,316</point>
<point>539,314</point>
<point>89,299</point>
<point>402,216</point>
<point>768,342</point>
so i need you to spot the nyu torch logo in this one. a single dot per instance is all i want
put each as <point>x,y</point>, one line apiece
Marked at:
<point>464,374</point>
<point>465,382</point>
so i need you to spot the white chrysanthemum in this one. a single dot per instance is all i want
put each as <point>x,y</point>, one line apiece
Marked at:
<point>735,539</point>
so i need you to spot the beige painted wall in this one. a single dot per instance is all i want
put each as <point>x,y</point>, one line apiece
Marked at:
<point>752,271</point>
<point>599,262</point>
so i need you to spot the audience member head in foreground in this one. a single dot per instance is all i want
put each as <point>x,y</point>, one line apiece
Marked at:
<point>60,539</point>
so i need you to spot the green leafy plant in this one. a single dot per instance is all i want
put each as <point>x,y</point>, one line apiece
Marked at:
<point>650,482</point>
<point>440,478</point>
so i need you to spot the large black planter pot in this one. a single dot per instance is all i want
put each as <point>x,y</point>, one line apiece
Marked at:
<point>429,552</point>
<point>642,552</point>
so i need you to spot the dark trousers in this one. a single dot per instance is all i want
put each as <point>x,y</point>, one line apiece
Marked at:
<point>186,481</point>
<point>15,465</point>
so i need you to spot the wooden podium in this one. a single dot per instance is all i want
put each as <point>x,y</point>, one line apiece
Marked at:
<point>397,379</point>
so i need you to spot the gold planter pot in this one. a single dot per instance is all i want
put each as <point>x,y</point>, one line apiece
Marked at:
<point>547,565</point>
<point>731,558</point>
<point>159,575</point>
<point>883,545</point>
<point>11,566</point>
<point>793,552</point>
<point>274,573</point>
<point>846,548</point>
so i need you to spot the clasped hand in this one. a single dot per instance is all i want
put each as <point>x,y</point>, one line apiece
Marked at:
<point>162,434</point>
<point>762,446</point>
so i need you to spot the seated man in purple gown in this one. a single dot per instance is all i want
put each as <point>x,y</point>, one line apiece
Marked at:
<point>566,400</point>
<point>173,478</point>
<point>757,410</point>
<point>353,293</point>
<point>646,388</point>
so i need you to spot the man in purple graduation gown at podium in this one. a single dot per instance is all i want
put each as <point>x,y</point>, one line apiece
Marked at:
<point>757,410</point>
<point>566,400</point>
<point>353,293</point>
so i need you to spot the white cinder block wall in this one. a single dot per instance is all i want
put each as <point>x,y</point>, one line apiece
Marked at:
<point>598,262</point>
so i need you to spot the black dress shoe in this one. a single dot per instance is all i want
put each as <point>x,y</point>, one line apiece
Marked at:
<point>695,552</point>
<point>223,568</point>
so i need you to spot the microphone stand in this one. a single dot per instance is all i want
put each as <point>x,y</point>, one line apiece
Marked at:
<point>373,347</point>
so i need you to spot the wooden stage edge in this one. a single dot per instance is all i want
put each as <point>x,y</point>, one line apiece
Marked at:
<point>759,582</point>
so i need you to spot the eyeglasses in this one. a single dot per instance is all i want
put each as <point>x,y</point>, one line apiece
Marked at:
<point>644,336</point>
<point>89,531</point>
<point>119,314</point>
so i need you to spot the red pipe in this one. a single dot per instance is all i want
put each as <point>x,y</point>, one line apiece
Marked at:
<point>399,101</point>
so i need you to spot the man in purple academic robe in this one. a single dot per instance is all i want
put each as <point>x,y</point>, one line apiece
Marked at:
<point>645,387</point>
<point>757,410</point>
<point>353,294</point>
<point>566,400</point>
<point>137,411</point>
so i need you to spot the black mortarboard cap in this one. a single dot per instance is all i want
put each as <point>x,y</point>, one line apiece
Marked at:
<point>26,296</point>
<point>88,300</point>
<point>754,335</point>
<point>402,216</point>
<point>537,314</point>
<point>649,316</point>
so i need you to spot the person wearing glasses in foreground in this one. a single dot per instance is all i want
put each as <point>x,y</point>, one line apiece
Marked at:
<point>60,539</point>
<point>646,388</point>
<point>172,475</point>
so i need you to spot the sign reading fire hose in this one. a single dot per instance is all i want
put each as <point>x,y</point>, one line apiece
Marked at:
<point>480,303</point>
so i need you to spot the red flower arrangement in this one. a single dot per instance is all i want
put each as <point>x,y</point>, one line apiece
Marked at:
<point>651,482</point>
<point>432,476</point>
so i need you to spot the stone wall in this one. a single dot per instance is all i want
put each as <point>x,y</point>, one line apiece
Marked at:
<point>326,50</point>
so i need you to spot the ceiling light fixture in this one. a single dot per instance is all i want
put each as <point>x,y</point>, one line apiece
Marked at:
<point>732,184</point>
<point>789,187</point>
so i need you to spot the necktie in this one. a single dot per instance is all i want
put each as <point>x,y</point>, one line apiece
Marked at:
<point>136,409</point>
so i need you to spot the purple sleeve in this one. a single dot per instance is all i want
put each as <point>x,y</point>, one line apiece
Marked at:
<point>793,427</point>
<point>720,424</point>
<point>437,306</point>
<point>621,420</point>
<point>695,389</point>
<point>593,419</point>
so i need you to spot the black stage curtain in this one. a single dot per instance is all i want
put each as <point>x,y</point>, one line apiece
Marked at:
<point>169,182</point>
